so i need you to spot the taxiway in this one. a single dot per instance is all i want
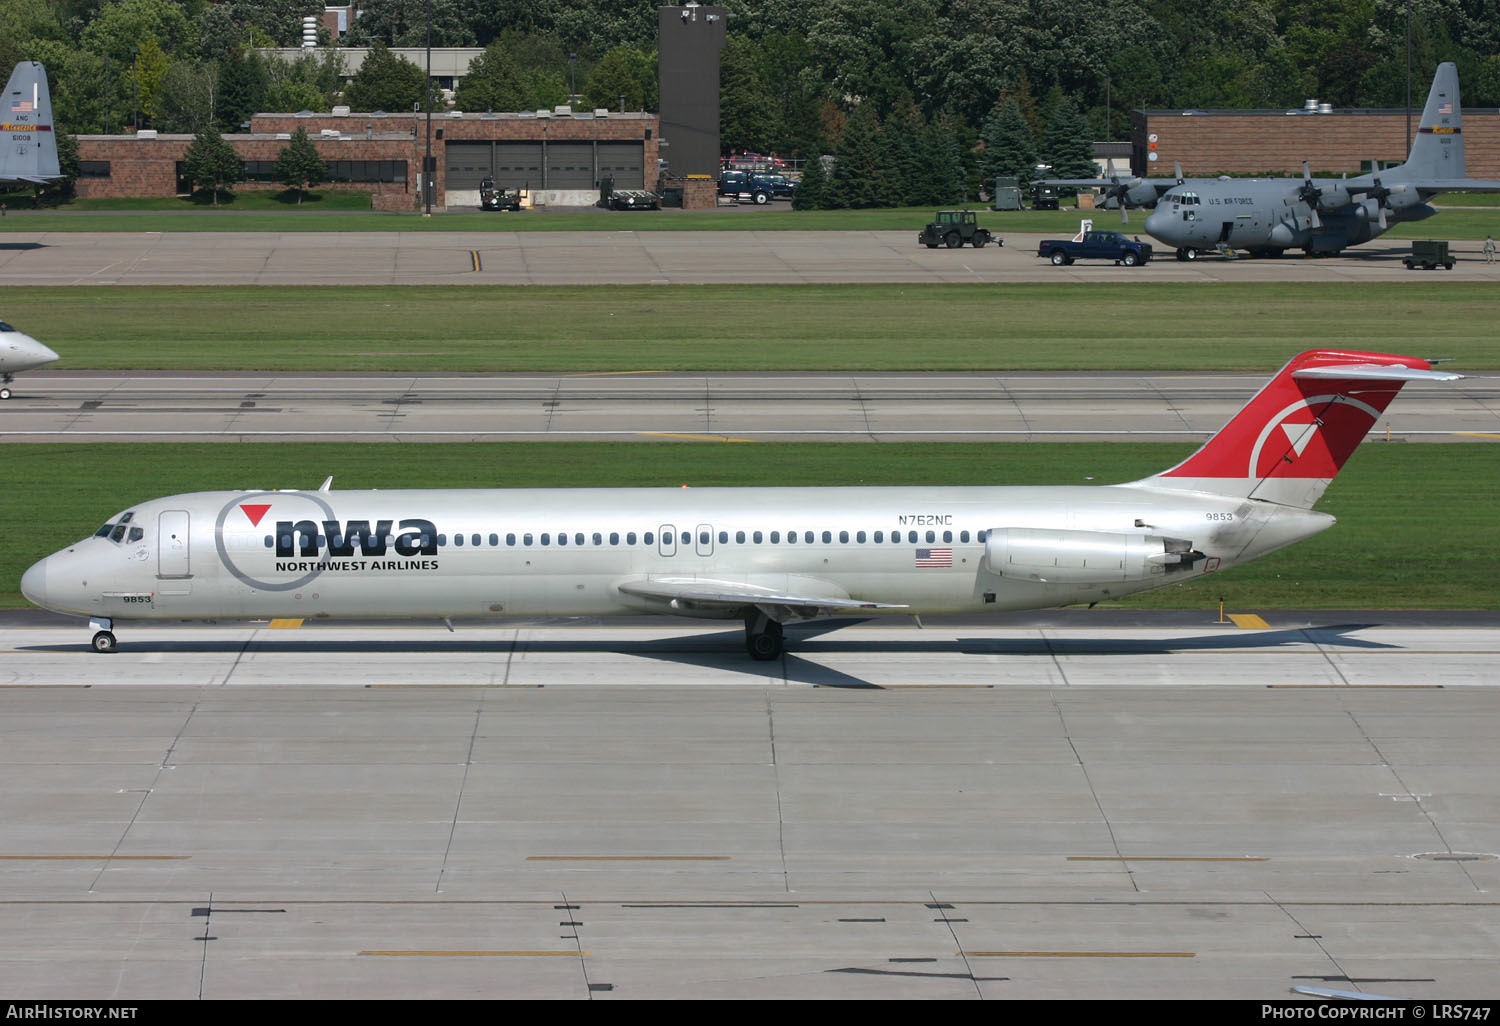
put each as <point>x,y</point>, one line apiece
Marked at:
<point>163,406</point>
<point>628,256</point>
<point>554,811</point>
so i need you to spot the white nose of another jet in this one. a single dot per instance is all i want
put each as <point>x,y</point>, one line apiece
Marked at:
<point>28,352</point>
<point>34,584</point>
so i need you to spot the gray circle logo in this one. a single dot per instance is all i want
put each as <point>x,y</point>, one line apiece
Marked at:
<point>288,506</point>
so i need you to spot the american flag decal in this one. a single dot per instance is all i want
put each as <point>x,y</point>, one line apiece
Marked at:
<point>1445,108</point>
<point>934,557</point>
<point>20,106</point>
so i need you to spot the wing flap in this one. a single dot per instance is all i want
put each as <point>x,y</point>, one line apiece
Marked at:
<point>696,596</point>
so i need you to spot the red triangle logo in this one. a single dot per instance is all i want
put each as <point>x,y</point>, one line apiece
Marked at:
<point>255,512</point>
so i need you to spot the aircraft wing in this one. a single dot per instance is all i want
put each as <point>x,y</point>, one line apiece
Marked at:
<point>691,596</point>
<point>1455,185</point>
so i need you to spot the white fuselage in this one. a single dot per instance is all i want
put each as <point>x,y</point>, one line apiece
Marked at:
<point>489,553</point>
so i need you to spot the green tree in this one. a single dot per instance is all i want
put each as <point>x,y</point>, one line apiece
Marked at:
<point>905,157</point>
<point>299,166</point>
<point>88,96</point>
<point>242,90</point>
<point>211,163</point>
<point>122,27</point>
<point>812,191</point>
<point>218,34</point>
<point>786,72</point>
<point>404,23</point>
<point>1067,145</point>
<point>386,82</point>
<point>187,97</point>
<point>746,106</point>
<point>146,74</point>
<point>494,82</point>
<point>25,21</point>
<point>1009,148</point>
<point>941,181</point>
<point>860,178</point>
<point>624,71</point>
<point>870,50</point>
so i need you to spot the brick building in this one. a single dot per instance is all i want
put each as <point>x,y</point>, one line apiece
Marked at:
<point>560,156</point>
<point>1217,142</point>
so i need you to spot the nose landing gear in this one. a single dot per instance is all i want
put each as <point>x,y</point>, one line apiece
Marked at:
<point>104,638</point>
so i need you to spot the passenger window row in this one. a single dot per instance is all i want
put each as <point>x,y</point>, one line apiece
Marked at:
<point>648,538</point>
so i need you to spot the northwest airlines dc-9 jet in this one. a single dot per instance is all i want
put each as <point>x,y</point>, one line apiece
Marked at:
<point>764,555</point>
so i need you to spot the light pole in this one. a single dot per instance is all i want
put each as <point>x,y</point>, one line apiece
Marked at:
<point>427,186</point>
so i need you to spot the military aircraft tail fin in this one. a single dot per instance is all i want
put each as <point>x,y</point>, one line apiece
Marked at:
<point>30,154</point>
<point>1291,439</point>
<point>1438,149</point>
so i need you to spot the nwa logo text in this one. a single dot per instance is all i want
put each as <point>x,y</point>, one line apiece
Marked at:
<point>302,538</point>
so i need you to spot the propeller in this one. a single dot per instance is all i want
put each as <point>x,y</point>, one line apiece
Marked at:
<point>1311,195</point>
<point>1379,194</point>
<point>1117,191</point>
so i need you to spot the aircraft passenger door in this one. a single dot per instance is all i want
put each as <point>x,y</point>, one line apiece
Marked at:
<point>666,540</point>
<point>705,539</point>
<point>172,544</point>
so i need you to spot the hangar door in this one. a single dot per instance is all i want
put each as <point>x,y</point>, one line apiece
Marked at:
<point>518,164</point>
<point>623,161</point>
<point>468,164</point>
<point>570,165</point>
<point>567,165</point>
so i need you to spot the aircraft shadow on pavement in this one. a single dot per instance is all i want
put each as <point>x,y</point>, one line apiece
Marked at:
<point>723,650</point>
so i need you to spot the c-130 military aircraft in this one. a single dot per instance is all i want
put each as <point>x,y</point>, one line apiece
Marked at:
<point>1267,216</point>
<point>763,555</point>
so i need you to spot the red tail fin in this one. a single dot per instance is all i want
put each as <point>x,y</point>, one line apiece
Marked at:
<point>1290,441</point>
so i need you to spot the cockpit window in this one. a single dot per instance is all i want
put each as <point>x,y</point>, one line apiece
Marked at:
<point>118,530</point>
<point>5,327</point>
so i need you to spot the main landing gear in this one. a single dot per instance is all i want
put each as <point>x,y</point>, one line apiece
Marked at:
<point>104,638</point>
<point>763,639</point>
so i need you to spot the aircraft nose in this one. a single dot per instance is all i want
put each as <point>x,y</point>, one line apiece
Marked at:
<point>34,584</point>
<point>1156,222</point>
<point>34,350</point>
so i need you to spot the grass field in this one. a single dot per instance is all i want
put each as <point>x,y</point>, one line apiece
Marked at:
<point>1107,326</point>
<point>269,215</point>
<point>1416,530</point>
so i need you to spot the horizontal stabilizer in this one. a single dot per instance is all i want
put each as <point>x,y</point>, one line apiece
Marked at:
<point>1374,372</point>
